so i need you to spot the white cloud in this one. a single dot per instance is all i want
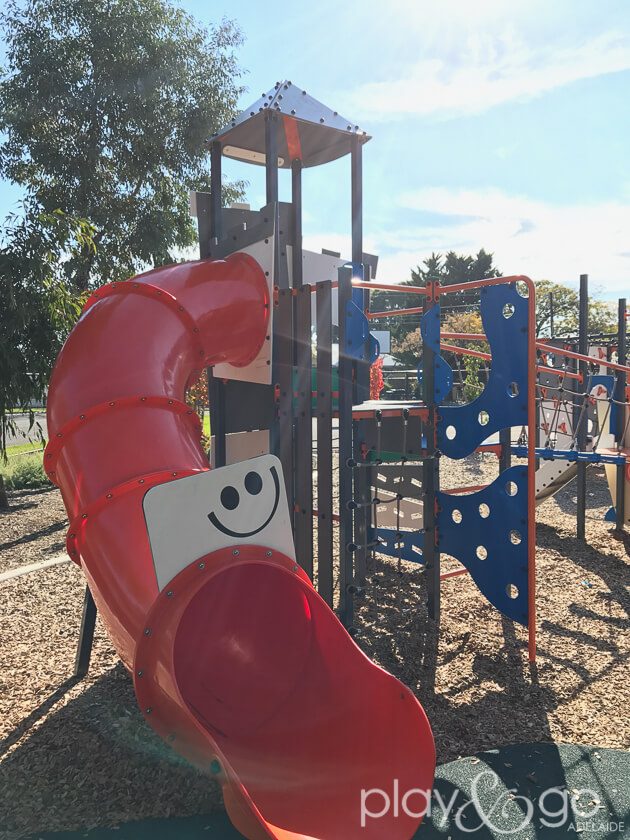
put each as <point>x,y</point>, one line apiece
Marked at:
<point>526,236</point>
<point>485,70</point>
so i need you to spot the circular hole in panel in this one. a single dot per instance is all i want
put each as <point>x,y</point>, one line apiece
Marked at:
<point>515,537</point>
<point>484,418</point>
<point>451,431</point>
<point>511,590</point>
<point>457,516</point>
<point>508,310</point>
<point>512,389</point>
<point>482,552</point>
<point>511,488</point>
<point>484,510</point>
<point>521,289</point>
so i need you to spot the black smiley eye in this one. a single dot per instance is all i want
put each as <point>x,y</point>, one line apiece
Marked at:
<point>253,483</point>
<point>229,497</point>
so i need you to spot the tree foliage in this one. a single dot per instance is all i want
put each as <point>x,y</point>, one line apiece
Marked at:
<point>106,106</point>
<point>602,317</point>
<point>37,308</point>
<point>449,269</point>
<point>453,268</point>
<point>407,349</point>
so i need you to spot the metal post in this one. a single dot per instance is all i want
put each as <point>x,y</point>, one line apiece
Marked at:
<point>346,544</point>
<point>303,453</point>
<point>86,635</point>
<point>356,172</point>
<point>281,433</point>
<point>296,206</point>
<point>538,414</point>
<point>324,385</point>
<point>582,417</point>
<point>620,397</point>
<point>430,469</point>
<point>361,377</point>
<point>216,387</point>
<point>271,157</point>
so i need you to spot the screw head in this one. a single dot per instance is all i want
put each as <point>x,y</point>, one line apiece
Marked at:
<point>202,565</point>
<point>169,594</point>
<point>268,553</point>
<point>148,710</point>
<point>139,673</point>
<point>147,631</point>
<point>295,568</point>
<point>236,552</point>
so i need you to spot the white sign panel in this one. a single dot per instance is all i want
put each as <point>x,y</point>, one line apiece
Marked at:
<point>244,503</point>
<point>260,369</point>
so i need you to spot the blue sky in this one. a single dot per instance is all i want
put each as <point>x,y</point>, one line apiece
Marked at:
<point>503,125</point>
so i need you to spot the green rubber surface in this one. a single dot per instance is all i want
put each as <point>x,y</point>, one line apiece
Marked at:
<point>525,791</point>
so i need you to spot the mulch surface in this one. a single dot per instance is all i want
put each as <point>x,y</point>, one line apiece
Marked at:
<point>79,755</point>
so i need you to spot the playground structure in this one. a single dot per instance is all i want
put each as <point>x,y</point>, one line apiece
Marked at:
<point>238,661</point>
<point>581,408</point>
<point>581,411</point>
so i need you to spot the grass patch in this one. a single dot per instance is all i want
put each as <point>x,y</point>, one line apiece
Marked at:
<point>25,472</point>
<point>29,446</point>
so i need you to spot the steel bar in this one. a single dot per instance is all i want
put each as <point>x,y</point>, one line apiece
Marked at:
<point>216,387</point>
<point>430,468</point>
<point>86,635</point>
<point>582,421</point>
<point>324,401</point>
<point>346,564</point>
<point>620,395</point>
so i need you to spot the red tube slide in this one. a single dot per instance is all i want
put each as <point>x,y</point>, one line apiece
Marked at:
<point>238,663</point>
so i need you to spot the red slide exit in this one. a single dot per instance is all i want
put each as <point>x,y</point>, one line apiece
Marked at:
<point>237,663</point>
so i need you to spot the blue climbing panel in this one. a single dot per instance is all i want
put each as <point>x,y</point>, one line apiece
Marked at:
<point>360,343</point>
<point>503,403</point>
<point>487,532</point>
<point>430,331</point>
<point>358,333</point>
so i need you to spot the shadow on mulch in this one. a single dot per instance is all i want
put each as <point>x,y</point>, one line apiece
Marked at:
<point>35,535</point>
<point>509,700</point>
<point>516,706</point>
<point>12,507</point>
<point>613,570</point>
<point>529,791</point>
<point>94,757</point>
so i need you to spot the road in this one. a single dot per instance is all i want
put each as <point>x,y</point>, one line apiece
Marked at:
<point>23,435</point>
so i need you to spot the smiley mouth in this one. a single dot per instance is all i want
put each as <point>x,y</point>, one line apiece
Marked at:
<point>243,534</point>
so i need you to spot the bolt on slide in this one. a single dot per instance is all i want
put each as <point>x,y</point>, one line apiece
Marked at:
<point>237,662</point>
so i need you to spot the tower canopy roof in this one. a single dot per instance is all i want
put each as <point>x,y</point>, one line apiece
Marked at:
<point>308,130</point>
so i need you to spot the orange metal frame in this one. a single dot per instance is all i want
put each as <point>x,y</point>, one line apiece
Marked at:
<point>532,370</point>
<point>531,437</point>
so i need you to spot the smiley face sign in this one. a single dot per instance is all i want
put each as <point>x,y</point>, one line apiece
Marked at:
<point>242,503</point>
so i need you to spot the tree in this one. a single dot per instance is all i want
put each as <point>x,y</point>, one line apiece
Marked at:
<point>602,317</point>
<point>37,308</point>
<point>453,268</point>
<point>106,106</point>
<point>408,350</point>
